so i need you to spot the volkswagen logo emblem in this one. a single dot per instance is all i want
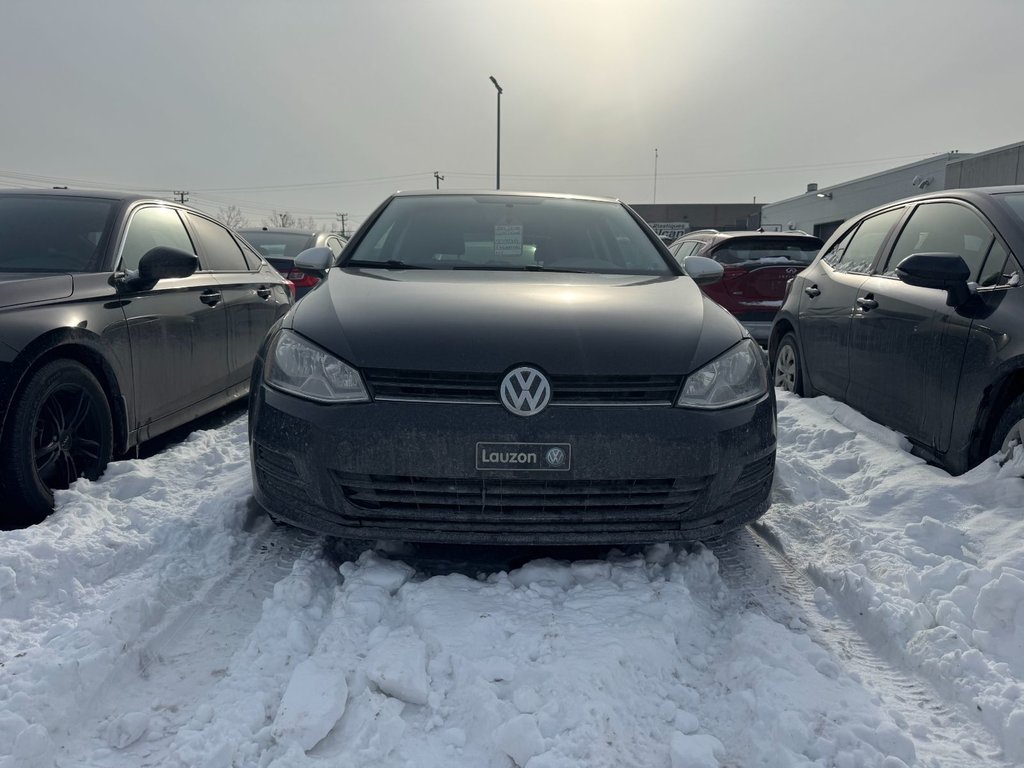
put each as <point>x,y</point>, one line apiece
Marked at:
<point>555,457</point>
<point>525,391</point>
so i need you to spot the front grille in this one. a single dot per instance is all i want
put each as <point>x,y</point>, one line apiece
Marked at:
<point>515,504</point>
<point>483,387</point>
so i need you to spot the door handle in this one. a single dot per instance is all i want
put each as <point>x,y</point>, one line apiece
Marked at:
<point>210,297</point>
<point>263,292</point>
<point>812,291</point>
<point>867,303</point>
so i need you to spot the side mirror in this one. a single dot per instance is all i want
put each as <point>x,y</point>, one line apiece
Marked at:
<point>702,270</point>
<point>158,263</point>
<point>161,263</point>
<point>315,261</point>
<point>944,271</point>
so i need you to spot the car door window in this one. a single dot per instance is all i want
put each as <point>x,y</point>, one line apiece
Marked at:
<point>220,251</point>
<point>862,247</point>
<point>944,227</point>
<point>1000,268</point>
<point>150,227</point>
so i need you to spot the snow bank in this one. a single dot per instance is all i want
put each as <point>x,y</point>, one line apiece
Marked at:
<point>929,566</point>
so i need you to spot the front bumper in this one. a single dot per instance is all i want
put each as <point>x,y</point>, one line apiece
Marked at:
<point>407,471</point>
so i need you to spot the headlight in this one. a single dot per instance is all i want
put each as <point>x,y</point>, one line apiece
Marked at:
<point>733,378</point>
<point>300,367</point>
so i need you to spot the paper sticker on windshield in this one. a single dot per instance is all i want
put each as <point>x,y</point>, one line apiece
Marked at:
<point>508,240</point>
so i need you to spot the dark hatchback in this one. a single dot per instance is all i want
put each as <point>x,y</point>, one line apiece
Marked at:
<point>914,314</point>
<point>280,246</point>
<point>121,317</point>
<point>757,267</point>
<point>511,368</point>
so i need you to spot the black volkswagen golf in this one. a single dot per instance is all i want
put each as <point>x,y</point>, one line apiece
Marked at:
<point>511,368</point>
<point>121,317</point>
<point>913,313</point>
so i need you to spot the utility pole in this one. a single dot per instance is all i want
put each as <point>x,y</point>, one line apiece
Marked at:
<point>438,179</point>
<point>655,175</point>
<point>497,169</point>
<point>342,217</point>
<point>182,196</point>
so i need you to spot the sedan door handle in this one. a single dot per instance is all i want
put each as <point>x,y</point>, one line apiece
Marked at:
<point>263,292</point>
<point>867,304</point>
<point>210,297</point>
<point>812,291</point>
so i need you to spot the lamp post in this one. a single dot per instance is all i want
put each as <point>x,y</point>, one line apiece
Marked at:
<point>497,171</point>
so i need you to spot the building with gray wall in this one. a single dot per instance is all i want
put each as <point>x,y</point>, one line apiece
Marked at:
<point>821,211</point>
<point>995,167</point>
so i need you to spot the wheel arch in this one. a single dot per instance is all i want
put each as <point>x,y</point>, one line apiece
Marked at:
<point>82,347</point>
<point>998,396</point>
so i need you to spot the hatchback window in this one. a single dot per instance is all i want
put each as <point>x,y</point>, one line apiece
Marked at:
<point>943,227</point>
<point>861,250</point>
<point>41,233</point>
<point>220,251</point>
<point>768,251</point>
<point>508,232</point>
<point>151,227</point>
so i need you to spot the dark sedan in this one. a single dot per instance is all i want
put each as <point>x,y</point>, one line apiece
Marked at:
<point>280,246</point>
<point>121,317</point>
<point>511,368</point>
<point>913,313</point>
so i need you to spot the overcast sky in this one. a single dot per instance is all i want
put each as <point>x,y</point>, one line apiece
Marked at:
<point>334,104</point>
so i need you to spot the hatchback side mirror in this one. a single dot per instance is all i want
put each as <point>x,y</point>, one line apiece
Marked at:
<point>944,271</point>
<point>702,270</point>
<point>315,261</point>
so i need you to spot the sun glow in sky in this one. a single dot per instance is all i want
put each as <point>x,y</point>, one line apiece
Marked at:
<point>320,107</point>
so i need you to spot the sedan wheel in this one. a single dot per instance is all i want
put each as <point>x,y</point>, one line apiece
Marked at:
<point>787,366</point>
<point>1009,430</point>
<point>60,431</point>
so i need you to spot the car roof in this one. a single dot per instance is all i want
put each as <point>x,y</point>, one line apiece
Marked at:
<point>501,193</point>
<point>102,194</point>
<point>283,231</point>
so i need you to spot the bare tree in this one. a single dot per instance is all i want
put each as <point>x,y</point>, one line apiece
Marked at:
<point>308,223</point>
<point>232,217</point>
<point>283,219</point>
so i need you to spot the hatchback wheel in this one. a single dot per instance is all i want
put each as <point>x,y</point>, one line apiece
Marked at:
<point>60,430</point>
<point>786,370</point>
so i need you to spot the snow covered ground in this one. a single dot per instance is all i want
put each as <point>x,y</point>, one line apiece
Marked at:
<point>875,617</point>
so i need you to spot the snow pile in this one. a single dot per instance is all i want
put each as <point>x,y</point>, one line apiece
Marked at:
<point>929,566</point>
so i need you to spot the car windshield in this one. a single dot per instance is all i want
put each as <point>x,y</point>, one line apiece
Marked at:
<point>508,232</point>
<point>279,245</point>
<point>40,233</point>
<point>798,250</point>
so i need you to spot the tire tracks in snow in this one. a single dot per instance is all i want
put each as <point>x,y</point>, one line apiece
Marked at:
<point>753,563</point>
<point>189,651</point>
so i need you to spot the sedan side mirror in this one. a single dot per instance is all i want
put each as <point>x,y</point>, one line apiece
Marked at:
<point>315,261</point>
<point>944,271</point>
<point>159,263</point>
<point>702,270</point>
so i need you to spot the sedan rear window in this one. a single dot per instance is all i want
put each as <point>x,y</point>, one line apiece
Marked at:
<point>508,232</point>
<point>279,245</point>
<point>40,233</point>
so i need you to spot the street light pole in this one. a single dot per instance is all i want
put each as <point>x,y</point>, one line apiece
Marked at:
<point>655,175</point>
<point>497,172</point>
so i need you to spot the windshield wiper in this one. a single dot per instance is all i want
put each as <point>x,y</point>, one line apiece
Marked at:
<point>389,264</point>
<point>522,268</point>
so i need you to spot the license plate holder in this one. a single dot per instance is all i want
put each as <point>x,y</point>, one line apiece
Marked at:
<point>523,457</point>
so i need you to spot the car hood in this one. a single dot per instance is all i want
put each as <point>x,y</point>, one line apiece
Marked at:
<point>29,288</point>
<point>489,321</point>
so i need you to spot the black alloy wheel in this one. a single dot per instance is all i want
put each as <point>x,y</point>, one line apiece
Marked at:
<point>60,430</point>
<point>786,372</point>
<point>1009,430</point>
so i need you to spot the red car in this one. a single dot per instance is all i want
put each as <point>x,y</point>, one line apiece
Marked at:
<point>757,267</point>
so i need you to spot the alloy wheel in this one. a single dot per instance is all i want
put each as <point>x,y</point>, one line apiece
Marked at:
<point>67,437</point>
<point>785,368</point>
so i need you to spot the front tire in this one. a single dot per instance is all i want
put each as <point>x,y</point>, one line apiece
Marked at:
<point>59,430</point>
<point>786,371</point>
<point>1009,429</point>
